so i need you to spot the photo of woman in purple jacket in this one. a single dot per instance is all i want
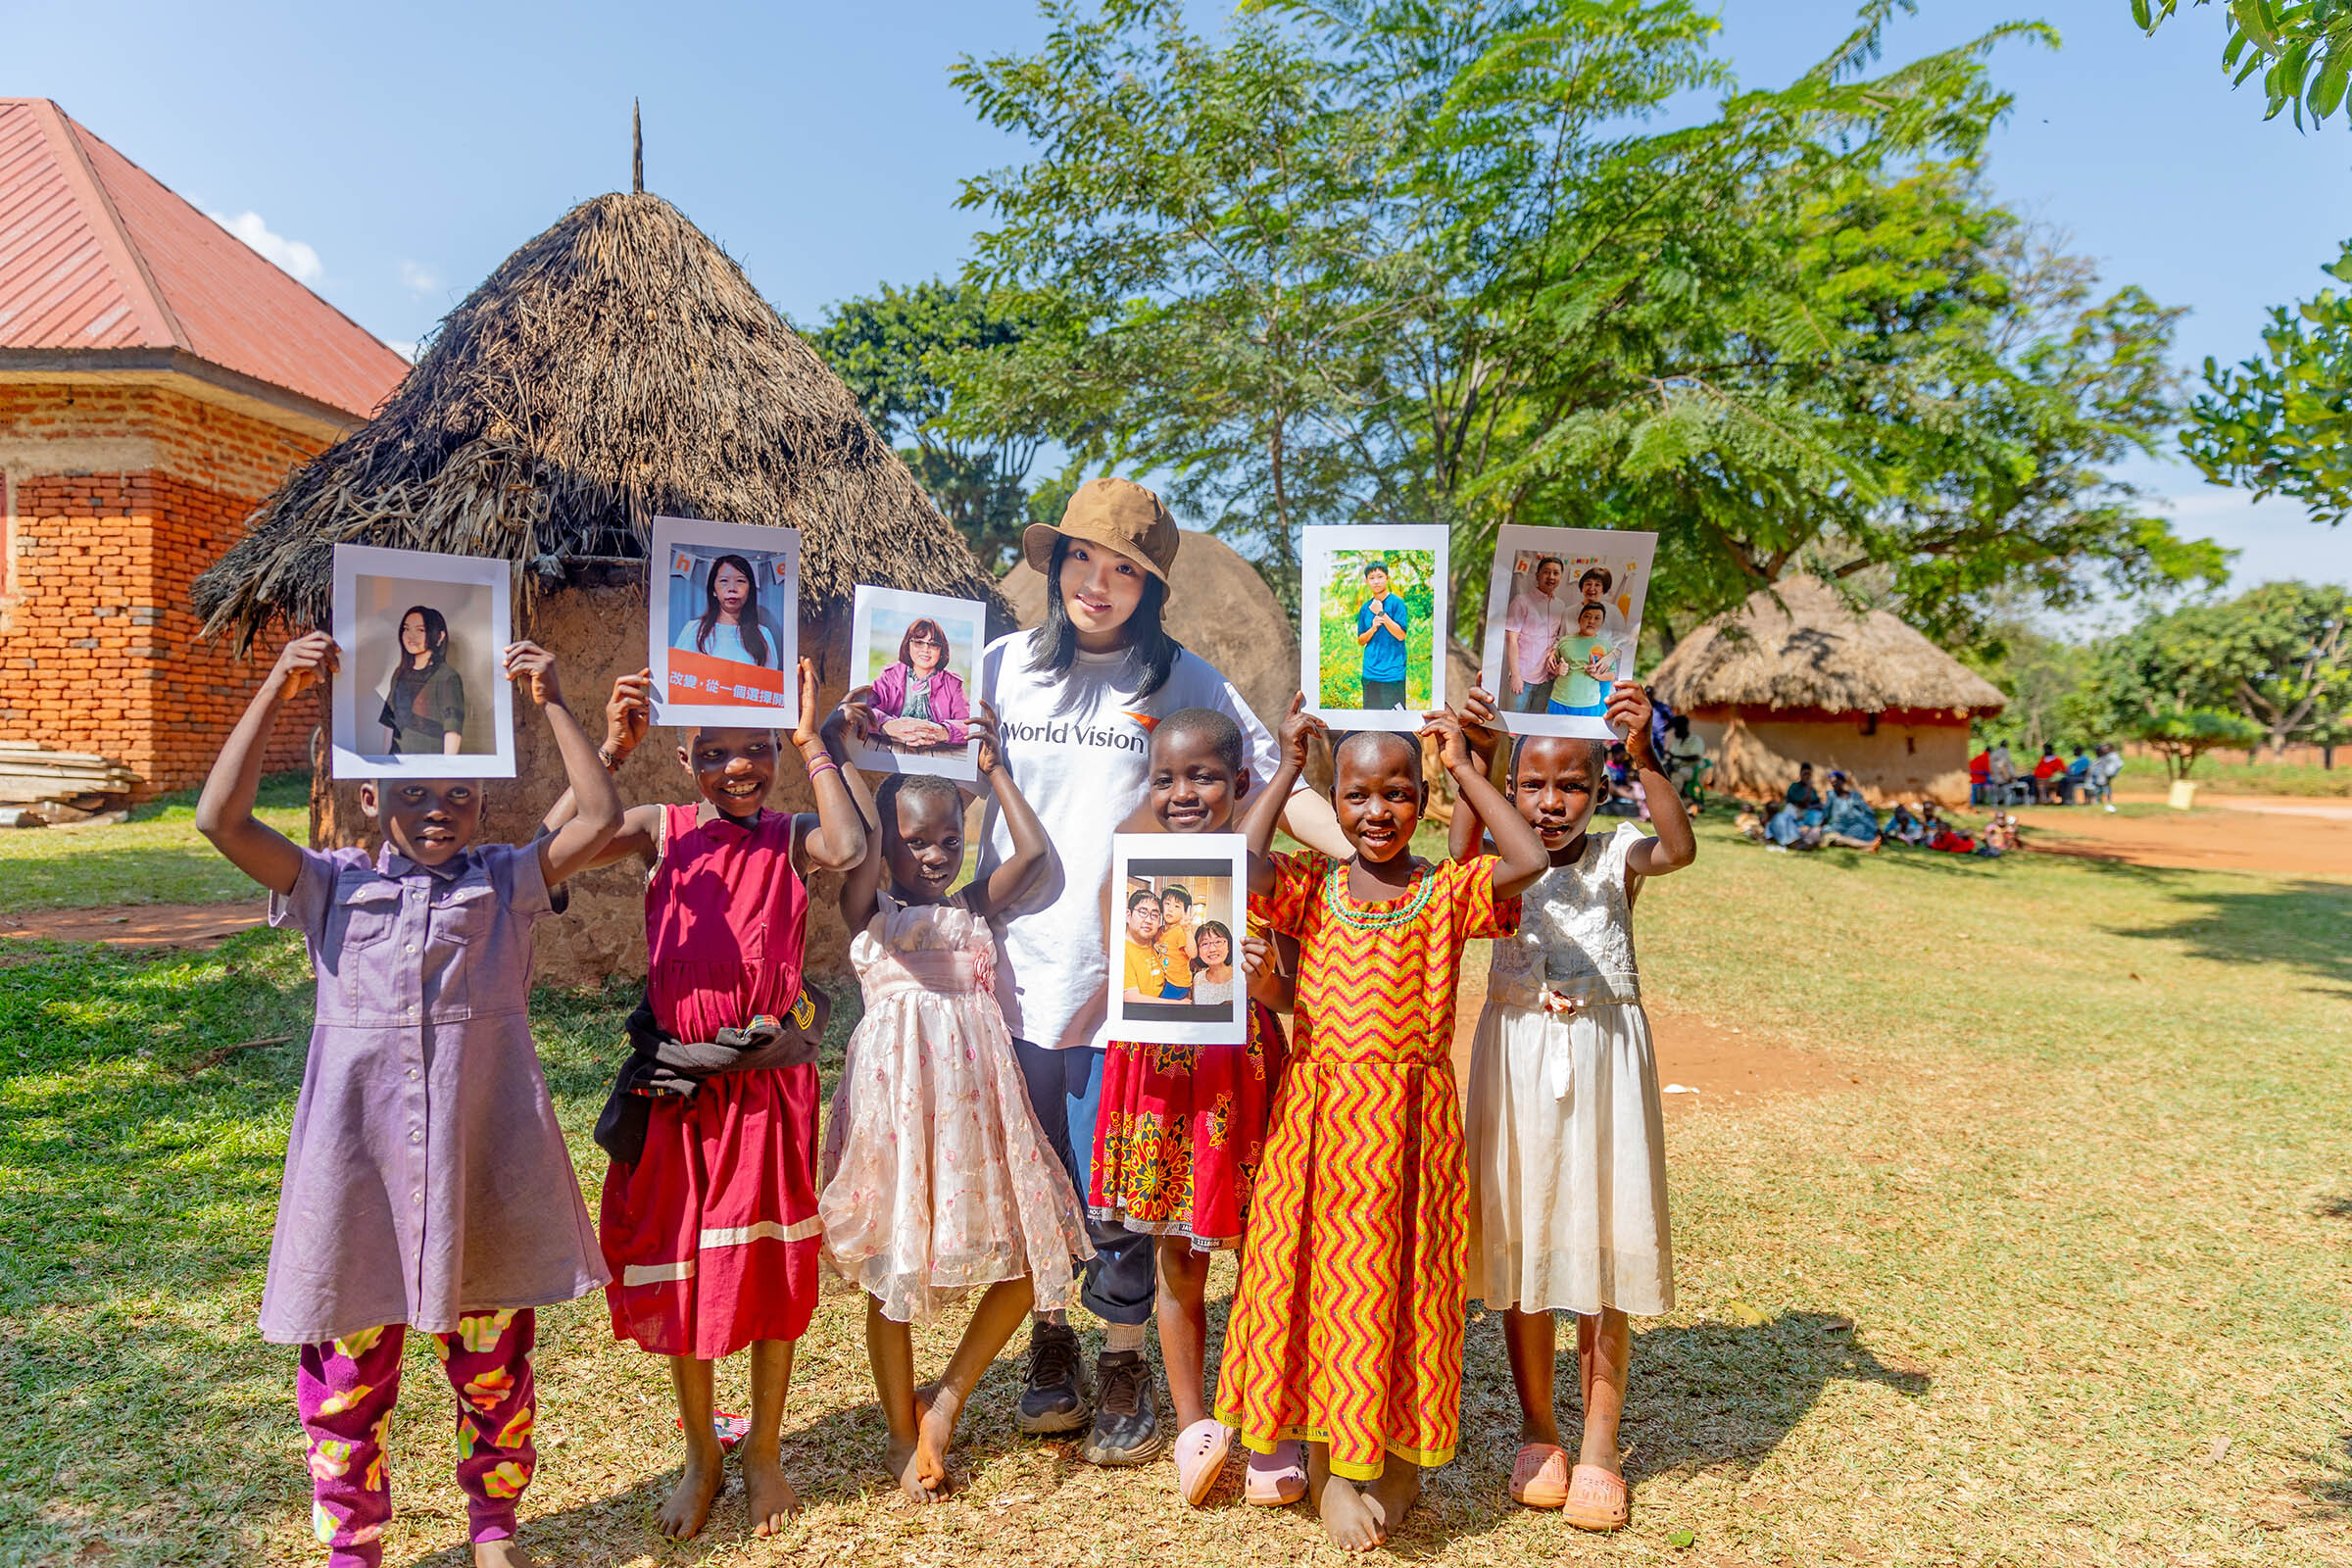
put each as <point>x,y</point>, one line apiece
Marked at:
<point>921,701</point>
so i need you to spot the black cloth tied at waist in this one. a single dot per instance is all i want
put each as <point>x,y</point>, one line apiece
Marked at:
<point>659,1062</point>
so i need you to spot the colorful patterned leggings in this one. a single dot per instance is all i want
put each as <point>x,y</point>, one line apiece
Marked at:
<point>345,1389</point>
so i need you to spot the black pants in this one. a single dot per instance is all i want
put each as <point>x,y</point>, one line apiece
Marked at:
<point>1066,1089</point>
<point>1380,694</point>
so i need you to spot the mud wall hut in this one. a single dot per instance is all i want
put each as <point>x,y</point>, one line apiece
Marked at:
<point>617,368</point>
<point>1795,675</point>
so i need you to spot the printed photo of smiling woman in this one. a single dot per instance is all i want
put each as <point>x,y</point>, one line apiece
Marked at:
<point>1077,699</point>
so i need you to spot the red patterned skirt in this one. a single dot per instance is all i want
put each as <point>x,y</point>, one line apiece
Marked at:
<point>712,1236</point>
<point>1180,1134</point>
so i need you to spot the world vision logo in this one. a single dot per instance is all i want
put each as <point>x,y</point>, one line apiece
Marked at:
<point>1106,737</point>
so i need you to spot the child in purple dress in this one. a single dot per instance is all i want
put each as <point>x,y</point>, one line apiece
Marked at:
<point>427,1185</point>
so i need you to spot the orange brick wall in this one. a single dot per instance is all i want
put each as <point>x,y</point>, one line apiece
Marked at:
<point>102,648</point>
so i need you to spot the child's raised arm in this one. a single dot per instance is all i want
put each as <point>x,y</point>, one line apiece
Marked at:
<point>1675,845</point>
<point>1521,851</point>
<point>864,879</point>
<point>836,841</point>
<point>1482,731</point>
<point>1030,846</point>
<point>596,803</point>
<point>224,810</point>
<point>1299,726</point>
<point>629,714</point>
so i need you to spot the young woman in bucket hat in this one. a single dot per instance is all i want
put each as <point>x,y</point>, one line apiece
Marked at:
<point>1078,699</point>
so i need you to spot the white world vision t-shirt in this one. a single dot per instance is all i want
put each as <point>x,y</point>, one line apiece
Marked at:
<point>1079,746</point>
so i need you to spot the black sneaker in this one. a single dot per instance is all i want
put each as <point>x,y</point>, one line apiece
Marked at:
<point>1052,1401</point>
<point>1127,1414</point>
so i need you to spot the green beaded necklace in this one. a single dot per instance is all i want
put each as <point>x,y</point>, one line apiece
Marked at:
<point>1335,899</point>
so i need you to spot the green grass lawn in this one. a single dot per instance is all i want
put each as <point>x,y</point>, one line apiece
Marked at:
<point>155,857</point>
<point>2243,778</point>
<point>2060,1280</point>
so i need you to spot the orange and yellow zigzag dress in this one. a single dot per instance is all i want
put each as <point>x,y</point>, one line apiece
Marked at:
<point>1348,1326</point>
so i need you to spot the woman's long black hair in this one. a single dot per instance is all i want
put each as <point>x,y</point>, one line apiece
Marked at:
<point>436,636</point>
<point>754,635</point>
<point>1055,643</point>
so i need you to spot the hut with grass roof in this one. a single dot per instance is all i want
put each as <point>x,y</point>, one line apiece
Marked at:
<point>617,368</point>
<point>1798,675</point>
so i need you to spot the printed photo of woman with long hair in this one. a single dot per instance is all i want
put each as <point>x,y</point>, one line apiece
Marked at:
<point>729,626</point>
<point>424,701</point>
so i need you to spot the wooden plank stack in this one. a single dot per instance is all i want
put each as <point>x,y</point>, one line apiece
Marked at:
<point>61,785</point>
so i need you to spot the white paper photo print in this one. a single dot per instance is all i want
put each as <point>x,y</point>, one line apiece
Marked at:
<point>1372,606</point>
<point>920,653</point>
<point>723,624</point>
<point>422,689</point>
<point>1563,622</point>
<point>1177,921</point>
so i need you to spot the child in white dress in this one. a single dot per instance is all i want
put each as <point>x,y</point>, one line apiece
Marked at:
<point>937,1178</point>
<point>1566,1136</point>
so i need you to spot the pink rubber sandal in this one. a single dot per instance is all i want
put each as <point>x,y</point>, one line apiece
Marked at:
<point>1597,1500</point>
<point>1201,1452</point>
<point>1540,1476</point>
<point>1276,1480</point>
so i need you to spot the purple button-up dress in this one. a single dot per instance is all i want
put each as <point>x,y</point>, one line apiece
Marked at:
<point>426,1173</point>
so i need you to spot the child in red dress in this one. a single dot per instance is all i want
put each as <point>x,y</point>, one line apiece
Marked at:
<point>1182,1128</point>
<point>711,1231</point>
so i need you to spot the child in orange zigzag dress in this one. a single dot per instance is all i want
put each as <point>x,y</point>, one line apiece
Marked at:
<point>1567,1140</point>
<point>1346,1331</point>
<point>1181,1135</point>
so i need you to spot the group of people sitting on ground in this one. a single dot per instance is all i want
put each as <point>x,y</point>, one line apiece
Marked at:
<point>1995,779</point>
<point>1808,820</point>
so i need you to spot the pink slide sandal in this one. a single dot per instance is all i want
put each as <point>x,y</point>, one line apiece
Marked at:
<point>1597,1500</point>
<point>1201,1450</point>
<point>1540,1476</point>
<point>1276,1480</point>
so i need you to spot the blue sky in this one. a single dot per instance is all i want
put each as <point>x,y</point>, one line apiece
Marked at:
<point>392,156</point>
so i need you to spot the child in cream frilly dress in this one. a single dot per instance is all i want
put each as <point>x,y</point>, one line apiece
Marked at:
<point>1565,1132</point>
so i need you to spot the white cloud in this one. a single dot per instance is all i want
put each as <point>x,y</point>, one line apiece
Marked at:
<point>291,256</point>
<point>418,278</point>
<point>407,351</point>
<point>2273,538</point>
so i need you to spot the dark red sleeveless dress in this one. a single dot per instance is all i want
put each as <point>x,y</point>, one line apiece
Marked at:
<point>712,1236</point>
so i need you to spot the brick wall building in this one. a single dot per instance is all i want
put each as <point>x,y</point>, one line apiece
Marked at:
<point>157,379</point>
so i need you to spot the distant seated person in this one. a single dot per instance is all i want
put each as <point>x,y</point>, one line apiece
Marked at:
<point>1905,826</point>
<point>1622,792</point>
<point>1802,793</point>
<point>1847,819</point>
<point>1980,777</point>
<point>1793,829</point>
<point>2105,764</point>
<point>1687,761</point>
<point>1146,975</point>
<point>2076,786</point>
<point>1942,834</point>
<point>2000,835</point>
<point>2048,770</point>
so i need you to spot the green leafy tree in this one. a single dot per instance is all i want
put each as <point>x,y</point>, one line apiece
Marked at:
<point>1423,260</point>
<point>2042,676</point>
<point>2302,49</point>
<point>2148,685</point>
<point>2280,423</point>
<point>890,349</point>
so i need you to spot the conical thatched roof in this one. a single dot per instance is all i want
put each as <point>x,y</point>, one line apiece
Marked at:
<point>618,366</point>
<point>1806,649</point>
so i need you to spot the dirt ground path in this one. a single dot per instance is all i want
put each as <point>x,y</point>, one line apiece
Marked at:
<point>2241,833</point>
<point>136,925</point>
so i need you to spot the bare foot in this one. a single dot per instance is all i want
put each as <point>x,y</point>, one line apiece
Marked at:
<point>1348,1522</point>
<point>898,1459</point>
<point>688,1507</point>
<point>935,1411</point>
<point>1394,1495</point>
<point>767,1496</point>
<point>507,1553</point>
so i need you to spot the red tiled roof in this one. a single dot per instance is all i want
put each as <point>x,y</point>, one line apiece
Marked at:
<point>97,254</point>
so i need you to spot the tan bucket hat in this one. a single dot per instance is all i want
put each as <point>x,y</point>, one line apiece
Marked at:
<point>1115,512</point>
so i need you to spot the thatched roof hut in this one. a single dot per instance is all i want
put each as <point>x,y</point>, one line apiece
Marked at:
<point>618,366</point>
<point>1796,675</point>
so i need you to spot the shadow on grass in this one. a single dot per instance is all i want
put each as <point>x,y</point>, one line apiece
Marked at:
<point>2301,925</point>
